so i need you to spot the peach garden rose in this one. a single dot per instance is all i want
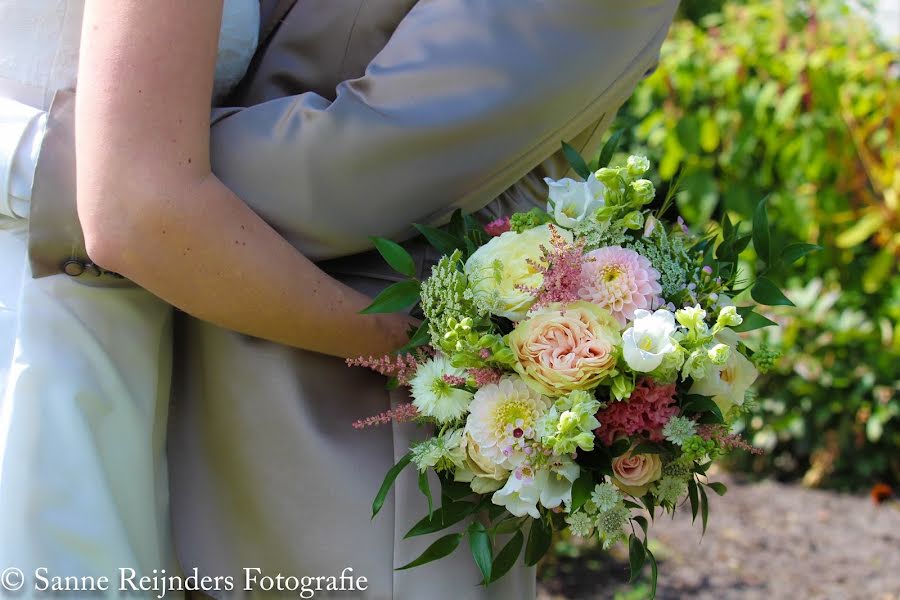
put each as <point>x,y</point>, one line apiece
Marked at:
<point>560,349</point>
<point>633,473</point>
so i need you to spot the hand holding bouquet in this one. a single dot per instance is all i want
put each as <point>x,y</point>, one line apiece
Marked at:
<point>580,366</point>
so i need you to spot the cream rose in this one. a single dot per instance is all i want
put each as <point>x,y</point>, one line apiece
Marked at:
<point>561,349</point>
<point>633,473</point>
<point>483,474</point>
<point>499,269</point>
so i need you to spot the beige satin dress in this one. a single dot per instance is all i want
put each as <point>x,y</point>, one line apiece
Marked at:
<point>363,117</point>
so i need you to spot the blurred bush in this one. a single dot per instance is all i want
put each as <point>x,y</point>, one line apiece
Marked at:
<point>797,101</point>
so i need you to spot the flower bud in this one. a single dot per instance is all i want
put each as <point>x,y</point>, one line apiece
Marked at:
<point>719,354</point>
<point>634,220</point>
<point>637,165</point>
<point>642,191</point>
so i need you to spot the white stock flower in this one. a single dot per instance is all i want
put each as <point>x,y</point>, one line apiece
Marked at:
<point>433,396</point>
<point>649,339</point>
<point>572,201</point>
<point>727,383</point>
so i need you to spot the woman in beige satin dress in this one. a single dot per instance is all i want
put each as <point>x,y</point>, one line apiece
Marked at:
<point>362,117</point>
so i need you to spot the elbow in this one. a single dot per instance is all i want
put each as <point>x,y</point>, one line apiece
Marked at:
<point>125,224</point>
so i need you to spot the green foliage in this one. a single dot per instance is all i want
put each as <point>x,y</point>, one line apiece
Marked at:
<point>798,101</point>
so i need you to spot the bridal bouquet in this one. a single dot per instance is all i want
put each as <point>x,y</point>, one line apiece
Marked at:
<point>579,367</point>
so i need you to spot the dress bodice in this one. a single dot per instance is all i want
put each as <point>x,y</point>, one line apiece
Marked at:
<point>39,42</point>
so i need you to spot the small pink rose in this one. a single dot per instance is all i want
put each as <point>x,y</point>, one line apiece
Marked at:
<point>633,473</point>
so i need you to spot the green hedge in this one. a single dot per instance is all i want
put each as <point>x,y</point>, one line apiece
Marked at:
<point>797,102</point>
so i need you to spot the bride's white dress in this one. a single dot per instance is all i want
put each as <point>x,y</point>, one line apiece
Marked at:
<point>84,371</point>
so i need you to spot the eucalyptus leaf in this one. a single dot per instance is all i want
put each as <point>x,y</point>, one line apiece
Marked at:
<point>396,256</point>
<point>425,488</point>
<point>440,239</point>
<point>654,573</point>
<point>443,517</point>
<point>695,502</point>
<point>718,487</point>
<point>765,291</point>
<point>797,250</point>
<point>576,161</point>
<point>441,548</point>
<point>508,556</point>
<point>395,298</point>
<point>482,551</point>
<point>636,556</point>
<point>704,507</point>
<point>752,320</point>
<point>538,542</point>
<point>609,148</point>
<point>388,482</point>
<point>761,231</point>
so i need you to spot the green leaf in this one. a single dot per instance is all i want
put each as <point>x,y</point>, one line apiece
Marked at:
<point>396,256</point>
<point>765,291</point>
<point>443,517</point>
<point>654,573</point>
<point>797,250</point>
<point>752,320</point>
<point>538,542</point>
<point>508,556</point>
<point>441,548</point>
<point>389,482</point>
<point>576,161</point>
<point>649,502</point>
<point>441,240</point>
<point>394,298</point>
<point>636,556</point>
<point>455,490</point>
<point>482,552</point>
<point>419,338</point>
<point>702,404</point>
<point>609,148</point>
<point>648,448</point>
<point>761,231</point>
<point>704,508</point>
<point>508,525</point>
<point>425,488</point>
<point>633,505</point>
<point>581,490</point>
<point>457,225</point>
<point>642,521</point>
<point>695,503</point>
<point>741,243</point>
<point>718,488</point>
<point>619,447</point>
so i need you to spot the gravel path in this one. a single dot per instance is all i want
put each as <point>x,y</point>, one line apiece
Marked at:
<point>766,541</point>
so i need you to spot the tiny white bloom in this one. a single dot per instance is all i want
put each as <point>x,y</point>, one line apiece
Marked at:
<point>648,340</point>
<point>550,486</point>
<point>572,201</point>
<point>433,396</point>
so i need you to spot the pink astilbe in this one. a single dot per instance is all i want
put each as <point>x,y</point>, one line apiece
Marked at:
<point>401,366</point>
<point>455,380</point>
<point>403,413</point>
<point>485,376</point>
<point>561,265</point>
<point>725,439</point>
<point>497,227</point>
<point>646,412</point>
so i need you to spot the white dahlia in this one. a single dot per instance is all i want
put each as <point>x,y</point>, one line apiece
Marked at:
<point>502,420</point>
<point>434,396</point>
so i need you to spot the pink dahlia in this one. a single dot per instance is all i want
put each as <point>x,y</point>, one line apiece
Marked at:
<point>646,412</point>
<point>620,280</point>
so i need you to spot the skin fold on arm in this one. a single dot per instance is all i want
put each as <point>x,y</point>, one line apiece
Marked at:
<point>151,208</point>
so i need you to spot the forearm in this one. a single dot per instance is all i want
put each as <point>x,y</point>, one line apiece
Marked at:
<point>217,260</point>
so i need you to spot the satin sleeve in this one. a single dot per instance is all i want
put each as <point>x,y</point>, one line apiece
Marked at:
<point>21,133</point>
<point>464,100</point>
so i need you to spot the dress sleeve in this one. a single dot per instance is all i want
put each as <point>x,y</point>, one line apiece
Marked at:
<point>21,133</point>
<point>464,100</point>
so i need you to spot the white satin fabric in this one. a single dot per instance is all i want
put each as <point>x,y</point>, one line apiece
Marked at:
<point>85,372</point>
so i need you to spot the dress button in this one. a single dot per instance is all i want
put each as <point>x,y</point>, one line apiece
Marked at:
<point>92,269</point>
<point>73,268</point>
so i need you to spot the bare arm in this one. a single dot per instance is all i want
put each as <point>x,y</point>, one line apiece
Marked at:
<point>151,208</point>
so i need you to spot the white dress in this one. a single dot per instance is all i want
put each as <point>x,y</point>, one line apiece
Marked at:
<point>84,371</point>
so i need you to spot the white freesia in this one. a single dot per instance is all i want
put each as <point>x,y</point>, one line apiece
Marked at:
<point>433,396</point>
<point>572,201</point>
<point>551,486</point>
<point>727,383</point>
<point>649,339</point>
